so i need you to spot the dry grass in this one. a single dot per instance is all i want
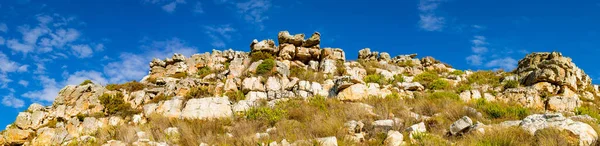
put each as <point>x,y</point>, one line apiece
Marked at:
<point>512,136</point>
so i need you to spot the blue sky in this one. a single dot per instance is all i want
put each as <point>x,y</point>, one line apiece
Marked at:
<point>46,45</point>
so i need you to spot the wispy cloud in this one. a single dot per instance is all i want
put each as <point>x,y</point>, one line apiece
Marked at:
<point>254,11</point>
<point>479,48</point>
<point>219,34</point>
<point>11,101</point>
<point>3,27</point>
<point>49,90</point>
<point>429,20</point>
<point>23,83</point>
<point>168,6</point>
<point>502,63</point>
<point>198,8</point>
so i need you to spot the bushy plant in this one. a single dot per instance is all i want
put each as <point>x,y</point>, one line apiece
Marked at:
<point>511,84</point>
<point>151,80</point>
<point>499,110</point>
<point>256,56</point>
<point>591,111</point>
<point>484,78</point>
<point>439,84</point>
<point>407,63</point>
<point>86,82</point>
<point>376,78</point>
<point>129,86</point>
<point>340,68</point>
<point>179,75</point>
<point>444,94</point>
<point>398,78</point>
<point>463,87</point>
<point>426,78</point>
<point>266,67</point>
<point>270,115</point>
<point>235,96</point>
<point>457,72</point>
<point>307,75</point>
<point>198,92</point>
<point>160,97</point>
<point>115,105</point>
<point>204,71</point>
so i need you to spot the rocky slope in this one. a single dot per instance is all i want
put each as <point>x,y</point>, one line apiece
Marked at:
<point>232,87</point>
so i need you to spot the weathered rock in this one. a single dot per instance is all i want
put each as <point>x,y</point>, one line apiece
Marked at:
<point>207,108</point>
<point>562,104</point>
<point>35,107</point>
<point>460,125</point>
<point>525,96</point>
<point>17,136</point>
<point>552,68</point>
<point>264,46</point>
<point>385,125</point>
<point>90,125</point>
<point>327,141</point>
<point>287,51</point>
<point>353,93</point>
<point>535,122</point>
<point>354,126</point>
<point>333,54</point>
<point>328,66</point>
<point>252,84</point>
<point>414,86</point>
<point>253,96</point>
<point>314,40</point>
<point>282,68</point>
<point>114,143</point>
<point>384,57</point>
<point>394,138</point>
<point>284,37</point>
<point>417,128</point>
<point>23,120</point>
<point>366,54</point>
<point>171,108</point>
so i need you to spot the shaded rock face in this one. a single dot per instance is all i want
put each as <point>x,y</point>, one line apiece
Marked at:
<point>553,68</point>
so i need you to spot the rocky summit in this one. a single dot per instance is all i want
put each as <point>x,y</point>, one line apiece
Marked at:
<point>291,91</point>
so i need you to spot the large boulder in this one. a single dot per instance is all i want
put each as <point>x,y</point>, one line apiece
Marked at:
<point>366,54</point>
<point>585,132</point>
<point>394,138</point>
<point>287,51</point>
<point>333,54</point>
<point>353,93</point>
<point>562,103</point>
<point>284,37</point>
<point>552,68</point>
<point>314,40</point>
<point>460,125</point>
<point>264,46</point>
<point>170,108</point>
<point>207,108</point>
<point>17,136</point>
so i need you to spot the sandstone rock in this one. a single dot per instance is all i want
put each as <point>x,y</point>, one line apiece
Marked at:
<point>414,86</point>
<point>417,128</point>
<point>353,93</point>
<point>150,108</point>
<point>115,143</point>
<point>354,126</point>
<point>282,68</point>
<point>90,125</point>
<point>35,107</point>
<point>50,136</point>
<point>366,54</point>
<point>264,46</point>
<point>383,124</point>
<point>207,108</point>
<point>273,84</point>
<point>385,57</point>
<point>252,84</point>
<point>287,51</point>
<point>303,54</point>
<point>23,120</point>
<point>394,138</point>
<point>525,96</point>
<point>328,66</point>
<point>253,96</point>
<point>552,68</point>
<point>562,104</point>
<point>171,108</point>
<point>535,122</point>
<point>17,136</point>
<point>284,37</point>
<point>314,40</point>
<point>460,125</point>
<point>114,121</point>
<point>333,54</point>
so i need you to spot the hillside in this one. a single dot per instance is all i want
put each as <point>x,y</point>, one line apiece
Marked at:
<point>293,92</point>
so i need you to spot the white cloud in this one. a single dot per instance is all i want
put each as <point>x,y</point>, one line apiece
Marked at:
<point>41,68</point>
<point>502,63</point>
<point>135,66</point>
<point>48,93</point>
<point>99,47</point>
<point>4,80</point>
<point>80,76</point>
<point>168,6</point>
<point>31,35</point>
<point>23,68</point>
<point>11,101</point>
<point>2,40</point>
<point>15,45</point>
<point>82,51</point>
<point>219,34</point>
<point>23,83</point>
<point>198,8</point>
<point>7,65</point>
<point>428,19</point>
<point>253,11</point>
<point>3,27</point>
<point>475,60</point>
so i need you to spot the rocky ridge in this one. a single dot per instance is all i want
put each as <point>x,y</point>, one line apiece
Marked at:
<point>224,84</point>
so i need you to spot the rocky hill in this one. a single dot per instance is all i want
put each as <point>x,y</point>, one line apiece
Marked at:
<point>293,92</point>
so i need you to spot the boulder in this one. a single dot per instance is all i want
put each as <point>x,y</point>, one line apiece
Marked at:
<point>354,126</point>
<point>328,66</point>
<point>263,46</point>
<point>171,108</point>
<point>287,51</point>
<point>114,143</point>
<point>273,84</point>
<point>417,128</point>
<point>237,66</point>
<point>35,107</point>
<point>327,141</point>
<point>394,138</point>
<point>585,132</point>
<point>562,104</point>
<point>366,54</point>
<point>333,54</point>
<point>414,86</point>
<point>252,84</point>
<point>254,95</point>
<point>282,68</point>
<point>384,56</point>
<point>207,108</point>
<point>353,93</point>
<point>553,68</point>
<point>23,120</point>
<point>17,136</point>
<point>460,125</point>
<point>314,40</point>
<point>284,37</point>
<point>383,124</point>
<point>303,54</point>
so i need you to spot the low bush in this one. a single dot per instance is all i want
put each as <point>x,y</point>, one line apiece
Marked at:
<point>426,78</point>
<point>129,86</point>
<point>340,68</point>
<point>256,56</point>
<point>457,72</point>
<point>204,71</point>
<point>500,110</point>
<point>151,80</point>
<point>235,96</point>
<point>86,82</point>
<point>115,105</point>
<point>439,84</point>
<point>586,109</point>
<point>307,75</point>
<point>376,78</point>
<point>266,67</point>
<point>484,78</point>
<point>198,92</point>
<point>270,115</point>
<point>444,94</point>
<point>179,75</point>
<point>510,136</point>
<point>407,63</point>
<point>511,84</point>
<point>463,87</point>
<point>160,97</point>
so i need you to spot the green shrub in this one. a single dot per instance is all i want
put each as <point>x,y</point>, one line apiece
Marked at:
<point>307,75</point>
<point>179,75</point>
<point>426,78</point>
<point>160,97</point>
<point>398,78</point>
<point>588,110</point>
<point>266,67</point>
<point>256,56</point>
<point>115,105</point>
<point>86,82</point>
<point>81,116</point>
<point>376,78</point>
<point>270,115</point>
<point>151,80</point>
<point>235,96</point>
<point>444,94</point>
<point>439,84</point>
<point>204,71</point>
<point>499,110</point>
<point>407,63</point>
<point>129,86</point>
<point>340,68</point>
<point>198,92</point>
<point>457,72</point>
<point>463,87</point>
<point>511,84</point>
<point>483,78</point>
